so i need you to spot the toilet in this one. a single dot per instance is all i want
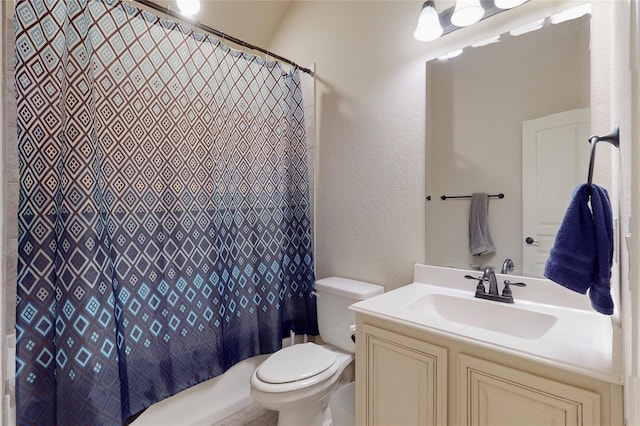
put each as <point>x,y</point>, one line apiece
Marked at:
<point>297,381</point>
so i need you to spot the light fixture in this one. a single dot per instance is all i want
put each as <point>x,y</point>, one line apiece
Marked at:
<point>450,55</point>
<point>467,12</point>
<point>432,25</point>
<point>188,7</point>
<point>429,27</point>
<point>487,41</point>
<point>573,13</point>
<point>536,25</point>
<point>508,4</point>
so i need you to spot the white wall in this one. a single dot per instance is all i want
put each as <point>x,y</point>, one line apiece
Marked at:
<point>370,221</point>
<point>371,102</point>
<point>621,66</point>
<point>3,289</point>
<point>632,180</point>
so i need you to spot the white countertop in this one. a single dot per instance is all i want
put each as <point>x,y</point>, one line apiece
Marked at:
<point>581,340</point>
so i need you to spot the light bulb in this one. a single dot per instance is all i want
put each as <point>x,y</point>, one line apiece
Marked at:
<point>508,4</point>
<point>428,27</point>
<point>467,12</point>
<point>188,7</point>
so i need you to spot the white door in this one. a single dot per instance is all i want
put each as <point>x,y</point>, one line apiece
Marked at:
<point>555,159</point>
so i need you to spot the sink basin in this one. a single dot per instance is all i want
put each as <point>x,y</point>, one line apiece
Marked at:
<point>547,323</point>
<point>488,315</point>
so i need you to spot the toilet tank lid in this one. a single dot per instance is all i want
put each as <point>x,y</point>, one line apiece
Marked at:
<point>358,290</point>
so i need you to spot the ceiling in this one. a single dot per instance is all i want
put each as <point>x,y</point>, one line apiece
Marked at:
<point>253,21</point>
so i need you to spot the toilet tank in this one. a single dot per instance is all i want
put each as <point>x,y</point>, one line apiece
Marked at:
<point>334,296</point>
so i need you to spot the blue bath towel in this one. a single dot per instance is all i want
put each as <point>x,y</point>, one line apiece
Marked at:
<point>582,254</point>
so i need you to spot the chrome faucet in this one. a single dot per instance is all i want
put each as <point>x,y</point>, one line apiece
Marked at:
<point>508,266</point>
<point>490,276</point>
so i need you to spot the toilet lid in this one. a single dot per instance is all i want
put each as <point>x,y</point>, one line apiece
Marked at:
<point>295,363</point>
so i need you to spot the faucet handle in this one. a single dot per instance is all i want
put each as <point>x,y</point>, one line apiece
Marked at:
<point>480,287</point>
<point>506,291</point>
<point>471,277</point>
<point>507,283</point>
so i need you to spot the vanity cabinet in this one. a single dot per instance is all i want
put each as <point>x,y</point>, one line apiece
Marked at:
<point>405,380</point>
<point>492,394</point>
<point>406,376</point>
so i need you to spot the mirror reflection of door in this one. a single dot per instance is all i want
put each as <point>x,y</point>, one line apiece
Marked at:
<point>555,152</point>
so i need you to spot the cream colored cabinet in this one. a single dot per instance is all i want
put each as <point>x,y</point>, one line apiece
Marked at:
<point>405,380</point>
<point>494,395</point>
<point>406,376</point>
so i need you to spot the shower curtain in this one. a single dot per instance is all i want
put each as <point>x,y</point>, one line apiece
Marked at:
<point>164,220</point>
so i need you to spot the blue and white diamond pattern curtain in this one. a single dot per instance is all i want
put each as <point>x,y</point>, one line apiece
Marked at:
<point>164,221</point>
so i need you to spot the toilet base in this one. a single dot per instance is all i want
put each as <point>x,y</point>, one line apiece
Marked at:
<point>310,414</point>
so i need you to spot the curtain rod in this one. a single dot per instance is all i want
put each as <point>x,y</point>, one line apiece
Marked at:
<point>218,33</point>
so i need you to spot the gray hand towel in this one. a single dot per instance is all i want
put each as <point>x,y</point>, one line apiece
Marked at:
<point>479,238</point>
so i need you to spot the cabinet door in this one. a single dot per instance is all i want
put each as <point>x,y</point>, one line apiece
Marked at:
<point>494,395</point>
<point>405,380</point>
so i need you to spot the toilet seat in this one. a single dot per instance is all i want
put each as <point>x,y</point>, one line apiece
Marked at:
<point>296,367</point>
<point>297,362</point>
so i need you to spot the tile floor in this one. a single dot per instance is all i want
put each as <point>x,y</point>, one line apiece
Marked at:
<point>252,415</point>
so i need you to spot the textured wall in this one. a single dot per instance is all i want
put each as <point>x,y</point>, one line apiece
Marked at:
<point>370,103</point>
<point>10,178</point>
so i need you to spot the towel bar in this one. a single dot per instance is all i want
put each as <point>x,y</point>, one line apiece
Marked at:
<point>444,197</point>
<point>613,138</point>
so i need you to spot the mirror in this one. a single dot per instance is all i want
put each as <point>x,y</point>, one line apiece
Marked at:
<point>476,106</point>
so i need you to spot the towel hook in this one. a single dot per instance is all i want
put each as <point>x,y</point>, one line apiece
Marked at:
<point>613,138</point>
